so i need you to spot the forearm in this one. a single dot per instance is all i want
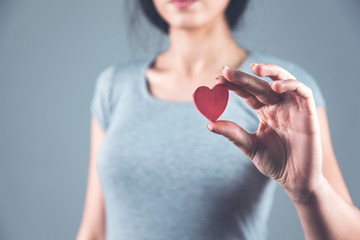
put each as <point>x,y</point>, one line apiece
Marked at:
<point>92,226</point>
<point>324,214</point>
<point>89,234</point>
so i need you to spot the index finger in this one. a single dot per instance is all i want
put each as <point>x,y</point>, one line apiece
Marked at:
<point>272,71</point>
<point>258,87</point>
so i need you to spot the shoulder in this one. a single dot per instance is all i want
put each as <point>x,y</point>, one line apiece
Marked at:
<point>290,66</point>
<point>119,77</point>
<point>112,83</point>
<point>298,71</point>
<point>116,79</point>
<point>270,59</point>
<point>120,73</point>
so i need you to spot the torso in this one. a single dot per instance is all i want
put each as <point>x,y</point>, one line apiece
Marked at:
<point>164,176</point>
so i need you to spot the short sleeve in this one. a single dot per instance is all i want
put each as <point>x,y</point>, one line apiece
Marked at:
<point>100,105</point>
<point>304,77</point>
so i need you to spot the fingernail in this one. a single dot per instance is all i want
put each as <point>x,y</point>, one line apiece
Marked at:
<point>224,67</point>
<point>257,64</point>
<point>209,127</point>
<point>272,83</point>
<point>218,77</point>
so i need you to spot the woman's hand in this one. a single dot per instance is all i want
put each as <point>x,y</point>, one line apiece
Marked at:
<point>287,146</point>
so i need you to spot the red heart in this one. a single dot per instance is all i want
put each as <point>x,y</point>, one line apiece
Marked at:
<point>211,102</point>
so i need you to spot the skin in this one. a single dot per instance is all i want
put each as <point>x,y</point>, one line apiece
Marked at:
<point>304,163</point>
<point>288,148</point>
<point>93,221</point>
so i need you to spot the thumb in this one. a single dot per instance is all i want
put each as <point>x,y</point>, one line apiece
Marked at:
<point>235,134</point>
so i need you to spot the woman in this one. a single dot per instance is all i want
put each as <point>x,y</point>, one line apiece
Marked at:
<point>155,173</point>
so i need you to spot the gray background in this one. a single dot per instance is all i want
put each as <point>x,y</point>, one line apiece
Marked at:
<point>52,51</point>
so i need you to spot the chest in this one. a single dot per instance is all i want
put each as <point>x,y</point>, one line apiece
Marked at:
<point>155,141</point>
<point>174,87</point>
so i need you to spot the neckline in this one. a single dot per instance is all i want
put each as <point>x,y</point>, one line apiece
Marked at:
<point>148,96</point>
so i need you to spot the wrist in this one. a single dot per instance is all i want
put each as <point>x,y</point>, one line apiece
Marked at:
<point>308,194</point>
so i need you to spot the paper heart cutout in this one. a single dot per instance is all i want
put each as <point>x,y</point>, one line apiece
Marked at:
<point>211,102</point>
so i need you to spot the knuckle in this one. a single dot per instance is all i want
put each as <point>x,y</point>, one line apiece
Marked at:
<point>237,137</point>
<point>262,72</point>
<point>244,80</point>
<point>310,91</point>
<point>253,102</point>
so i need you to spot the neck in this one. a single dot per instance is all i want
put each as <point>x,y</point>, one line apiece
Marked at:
<point>194,50</point>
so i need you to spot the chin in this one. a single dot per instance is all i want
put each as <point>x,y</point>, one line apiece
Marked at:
<point>186,22</point>
<point>190,14</point>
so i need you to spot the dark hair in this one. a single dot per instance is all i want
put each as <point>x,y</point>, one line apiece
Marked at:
<point>233,12</point>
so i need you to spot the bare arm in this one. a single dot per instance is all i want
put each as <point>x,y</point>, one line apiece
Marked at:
<point>324,214</point>
<point>331,168</point>
<point>330,206</point>
<point>292,146</point>
<point>92,226</point>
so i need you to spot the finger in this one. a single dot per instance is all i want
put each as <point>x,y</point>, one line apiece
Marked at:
<point>270,70</point>
<point>294,86</point>
<point>237,135</point>
<point>250,99</point>
<point>257,87</point>
<point>303,93</point>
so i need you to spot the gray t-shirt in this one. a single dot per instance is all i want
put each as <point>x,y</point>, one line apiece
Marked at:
<point>165,176</point>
